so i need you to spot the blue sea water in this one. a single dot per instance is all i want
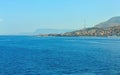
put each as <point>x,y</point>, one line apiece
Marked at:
<point>31,55</point>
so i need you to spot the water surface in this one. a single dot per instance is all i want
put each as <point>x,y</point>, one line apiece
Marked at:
<point>31,55</point>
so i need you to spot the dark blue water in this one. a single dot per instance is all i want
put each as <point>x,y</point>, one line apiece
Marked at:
<point>30,55</point>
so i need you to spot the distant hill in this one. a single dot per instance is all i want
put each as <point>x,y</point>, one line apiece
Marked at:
<point>114,21</point>
<point>52,31</point>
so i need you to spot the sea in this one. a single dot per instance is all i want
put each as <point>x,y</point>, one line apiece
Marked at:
<point>35,55</point>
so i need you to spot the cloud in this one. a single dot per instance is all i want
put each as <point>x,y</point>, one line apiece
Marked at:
<point>1,20</point>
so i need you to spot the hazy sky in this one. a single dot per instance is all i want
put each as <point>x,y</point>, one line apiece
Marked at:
<point>17,16</point>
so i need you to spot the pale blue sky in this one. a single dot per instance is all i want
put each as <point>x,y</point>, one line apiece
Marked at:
<point>17,16</point>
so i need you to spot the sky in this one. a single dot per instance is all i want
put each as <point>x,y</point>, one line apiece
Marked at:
<point>19,16</point>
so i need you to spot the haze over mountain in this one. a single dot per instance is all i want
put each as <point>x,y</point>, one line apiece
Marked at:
<point>114,21</point>
<point>46,31</point>
<point>52,31</point>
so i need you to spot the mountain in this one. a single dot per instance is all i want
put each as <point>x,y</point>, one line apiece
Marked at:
<point>114,21</point>
<point>108,28</point>
<point>110,31</point>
